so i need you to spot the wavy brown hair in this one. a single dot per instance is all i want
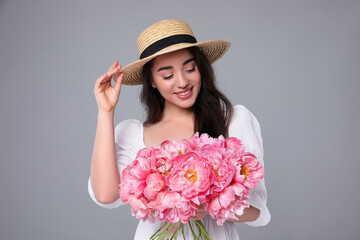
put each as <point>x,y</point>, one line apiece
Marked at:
<point>213,111</point>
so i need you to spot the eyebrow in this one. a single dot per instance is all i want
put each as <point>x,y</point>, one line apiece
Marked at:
<point>170,67</point>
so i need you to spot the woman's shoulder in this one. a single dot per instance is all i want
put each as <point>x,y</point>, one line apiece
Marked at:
<point>128,130</point>
<point>242,118</point>
<point>240,112</point>
<point>130,124</point>
<point>239,107</point>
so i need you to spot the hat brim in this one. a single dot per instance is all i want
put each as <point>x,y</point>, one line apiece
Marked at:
<point>213,49</point>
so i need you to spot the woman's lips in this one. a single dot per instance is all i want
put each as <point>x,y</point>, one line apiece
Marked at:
<point>184,94</point>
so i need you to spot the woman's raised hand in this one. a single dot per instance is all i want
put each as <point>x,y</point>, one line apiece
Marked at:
<point>106,95</point>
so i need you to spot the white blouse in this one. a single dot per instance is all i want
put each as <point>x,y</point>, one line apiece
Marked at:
<point>243,125</point>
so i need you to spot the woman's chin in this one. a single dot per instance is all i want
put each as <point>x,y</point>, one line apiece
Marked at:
<point>184,104</point>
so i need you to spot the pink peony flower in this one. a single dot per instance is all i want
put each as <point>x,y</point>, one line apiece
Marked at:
<point>133,180</point>
<point>140,209</point>
<point>223,169</point>
<point>249,171</point>
<point>168,199</point>
<point>170,215</point>
<point>240,190</point>
<point>175,148</point>
<point>164,164</point>
<point>226,196</point>
<point>187,210</point>
<point>235,144</point>
<point>227,204</point>
<point>125,185</point>
<point>138,188</point>
<point>231,156</point>
<point>222,200</point>
<point>205,139</point>
<point>190,176</point>
<point>154,184</point>
<point>240,204</point>
<point>143,165</point>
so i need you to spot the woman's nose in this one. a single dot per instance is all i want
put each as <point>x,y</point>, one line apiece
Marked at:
<point>182,81</point>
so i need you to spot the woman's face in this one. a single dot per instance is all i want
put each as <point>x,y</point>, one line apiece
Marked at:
<point>177,78</point>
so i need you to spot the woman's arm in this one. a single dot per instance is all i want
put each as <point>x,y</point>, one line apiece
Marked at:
<point>245,126</point>
<point>250,214</point>
<point>104,174</point>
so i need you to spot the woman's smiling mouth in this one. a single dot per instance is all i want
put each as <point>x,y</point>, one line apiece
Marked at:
<point>184,94</point>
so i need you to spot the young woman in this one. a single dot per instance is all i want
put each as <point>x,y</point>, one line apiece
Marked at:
<point>181,98</point>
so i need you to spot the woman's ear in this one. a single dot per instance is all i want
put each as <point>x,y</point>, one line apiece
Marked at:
<point>153,85</point>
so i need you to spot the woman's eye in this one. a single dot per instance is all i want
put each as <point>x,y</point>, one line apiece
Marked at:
<point>168,77</point>
<point>191,70</point>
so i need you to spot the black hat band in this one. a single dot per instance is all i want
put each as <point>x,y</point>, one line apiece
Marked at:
<point>166,42</point>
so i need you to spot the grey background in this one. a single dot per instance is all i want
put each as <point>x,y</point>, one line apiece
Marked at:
<point>293,64</point>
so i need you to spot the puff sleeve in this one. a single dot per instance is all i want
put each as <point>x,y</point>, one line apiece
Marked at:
<point>127,135</point>
<point>246,127</point>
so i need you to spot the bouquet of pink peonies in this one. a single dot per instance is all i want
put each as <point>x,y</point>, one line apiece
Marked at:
<point>171,181</point>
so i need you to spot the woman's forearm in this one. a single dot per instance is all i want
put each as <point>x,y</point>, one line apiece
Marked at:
<point>104,173</point>
<point>250,214</point>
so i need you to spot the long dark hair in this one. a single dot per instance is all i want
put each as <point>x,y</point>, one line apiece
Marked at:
<point>213,111</point>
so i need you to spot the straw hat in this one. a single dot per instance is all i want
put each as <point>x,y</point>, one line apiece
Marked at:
<point>164,37</point>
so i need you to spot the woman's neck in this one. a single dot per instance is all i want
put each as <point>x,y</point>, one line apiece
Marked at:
<point>172,112</point>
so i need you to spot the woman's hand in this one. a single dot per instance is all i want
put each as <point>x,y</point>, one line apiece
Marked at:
<point>106,95</point>
<point>200,213</point>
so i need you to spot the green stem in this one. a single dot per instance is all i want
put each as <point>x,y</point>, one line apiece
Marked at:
<point>167,230</point>
<point>154,235</point>
<point>163,233</point>
<point>202,230</point>
<point>182,230</point>
<point>199,231</point>
<point>177,230</point>
<point>192,231</point>
<point>172,227</point>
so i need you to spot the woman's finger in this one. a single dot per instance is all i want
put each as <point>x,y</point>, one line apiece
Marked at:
<point>114,70</point>
<point>107,76</point>
<point>110,73</point>
<point>102,79</point>
<point>114,65</point>
<point>118,82</point>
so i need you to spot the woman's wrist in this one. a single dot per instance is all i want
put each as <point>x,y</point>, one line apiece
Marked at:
<point>104,114</point>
